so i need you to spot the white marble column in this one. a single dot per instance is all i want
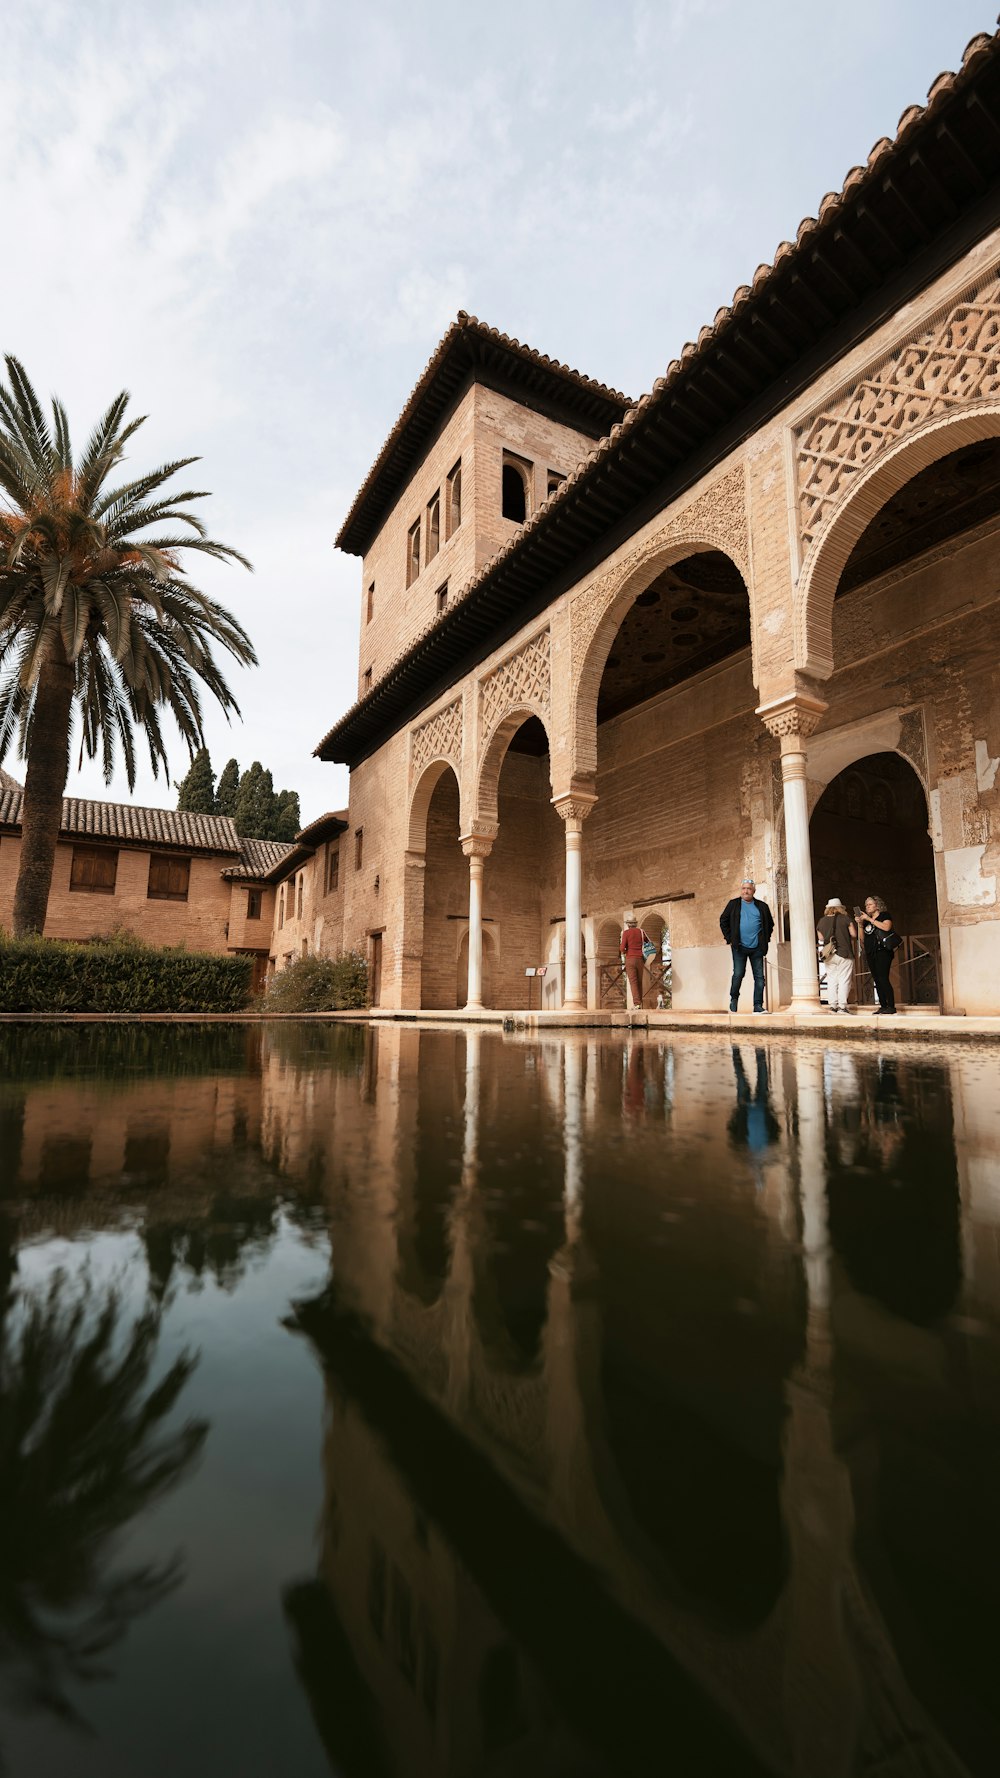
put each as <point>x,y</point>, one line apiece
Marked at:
<point>477,848</point>
<point>574,810</point>
<point>792,720</point>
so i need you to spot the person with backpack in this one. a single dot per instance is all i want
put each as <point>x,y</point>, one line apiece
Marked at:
<point>635,947</point>
<point>836,933</point>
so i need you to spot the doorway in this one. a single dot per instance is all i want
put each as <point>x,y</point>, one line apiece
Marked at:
<point>869,836</point>
<point>375,965</point>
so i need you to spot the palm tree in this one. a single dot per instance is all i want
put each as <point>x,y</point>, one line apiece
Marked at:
<point>95,616</point>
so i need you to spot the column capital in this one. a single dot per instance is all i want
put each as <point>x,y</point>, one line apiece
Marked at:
<point>478,842</point>
<point>575,805</point>
<point>792,718</point>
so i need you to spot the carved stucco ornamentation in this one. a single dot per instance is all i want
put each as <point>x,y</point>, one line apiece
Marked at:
<point>953,360</point>
<point>718,517</point>
<point>792,718</point>
<point>440,737</point>
<point>522,681</point>
<point>913,741</point>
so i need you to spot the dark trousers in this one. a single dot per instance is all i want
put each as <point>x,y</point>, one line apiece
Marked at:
<point>740,960</point>
<point>880,963</point>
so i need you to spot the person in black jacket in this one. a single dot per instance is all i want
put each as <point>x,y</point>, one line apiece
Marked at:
<point>747,925</point>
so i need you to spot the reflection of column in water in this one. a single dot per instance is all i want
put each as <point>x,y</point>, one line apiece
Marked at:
<point>822,1689</point>
<point>567,1317</point>
<point>573,1140</point>
<point>458,1289</point>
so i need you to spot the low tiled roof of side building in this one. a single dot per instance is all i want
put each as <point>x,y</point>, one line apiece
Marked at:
<point>132,826</point>
<point>7,782</point>
<point>257,859</point>
<point>471,349</point>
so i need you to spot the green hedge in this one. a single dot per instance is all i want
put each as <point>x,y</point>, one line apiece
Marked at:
<point>319,984</point>
<point>118,975</point>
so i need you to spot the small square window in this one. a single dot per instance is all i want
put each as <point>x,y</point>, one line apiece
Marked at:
<point>370,607</point>
<point>441,598</point>
<point>94,870</point>
<point>168,877</point>
<point>453,512</point>
<point>255,903</point>
<point>359,846</point>
<point>413,553</point>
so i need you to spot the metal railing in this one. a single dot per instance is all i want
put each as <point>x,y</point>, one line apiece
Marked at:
<point>916,973</point>
<point>612,986</point>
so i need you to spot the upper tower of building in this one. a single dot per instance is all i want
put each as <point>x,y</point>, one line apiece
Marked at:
<point>489,432</point>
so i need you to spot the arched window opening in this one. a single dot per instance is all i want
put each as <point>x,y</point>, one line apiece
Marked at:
<point>433,526</point>
<point>515,503</point>
<point>454,504</point>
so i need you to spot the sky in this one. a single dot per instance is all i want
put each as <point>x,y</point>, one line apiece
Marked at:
<point>260,219</point>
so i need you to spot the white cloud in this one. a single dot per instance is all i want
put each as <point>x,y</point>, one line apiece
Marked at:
<point>260,219</point>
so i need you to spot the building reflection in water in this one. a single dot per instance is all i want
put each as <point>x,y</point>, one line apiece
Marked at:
<point>695,1322</point>
<point>662,1378</point>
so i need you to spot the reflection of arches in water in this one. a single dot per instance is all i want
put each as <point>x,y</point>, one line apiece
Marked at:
<point>920,1435</point>
<point>894,1209</point>
<point>869,836</point>
<point>428,1189</point>
<point>699,1334</point>
<point>519,1219</point>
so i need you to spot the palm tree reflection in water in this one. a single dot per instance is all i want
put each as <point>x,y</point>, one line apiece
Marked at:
<point>85,1447</point>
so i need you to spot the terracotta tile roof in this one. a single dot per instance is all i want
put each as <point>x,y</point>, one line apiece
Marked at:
<point>470,347</point>
<point>257,859</point>
<point>7,782</point>
<point>959,125</point>
<point>325,827</point>
<point>133,826</point>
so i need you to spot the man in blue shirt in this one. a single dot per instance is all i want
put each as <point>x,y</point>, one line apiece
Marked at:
<point>747,925</point>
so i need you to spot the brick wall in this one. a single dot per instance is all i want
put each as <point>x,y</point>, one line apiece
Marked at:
<point>199,923</point>
<point>481,427</point>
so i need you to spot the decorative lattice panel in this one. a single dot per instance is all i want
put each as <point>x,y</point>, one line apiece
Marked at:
<point>524,679</point>
<point>440,737</point>
<point>954,360</point>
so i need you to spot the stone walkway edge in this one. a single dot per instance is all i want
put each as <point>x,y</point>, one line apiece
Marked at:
<point>906,1027</point>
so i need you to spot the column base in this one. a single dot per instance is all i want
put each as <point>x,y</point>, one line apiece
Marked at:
<point>473,1006</point>
<point>804,1006</point>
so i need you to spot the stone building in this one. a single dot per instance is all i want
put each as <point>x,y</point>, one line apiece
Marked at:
<point>614,655</point>
<point>169,876</point>
<point>308,894</point>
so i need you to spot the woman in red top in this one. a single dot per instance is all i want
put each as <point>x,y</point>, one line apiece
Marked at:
<point>632,940</point>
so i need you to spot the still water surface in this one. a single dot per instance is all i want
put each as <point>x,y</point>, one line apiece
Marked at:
<point>392,1403</point>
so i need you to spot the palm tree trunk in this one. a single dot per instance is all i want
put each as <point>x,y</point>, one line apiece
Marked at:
<point>44,783</point>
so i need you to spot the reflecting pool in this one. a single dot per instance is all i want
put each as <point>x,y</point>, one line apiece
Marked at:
<point>388,1402</point>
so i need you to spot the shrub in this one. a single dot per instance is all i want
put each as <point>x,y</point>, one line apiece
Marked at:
<point>120,974</point>
<point>319,984</point>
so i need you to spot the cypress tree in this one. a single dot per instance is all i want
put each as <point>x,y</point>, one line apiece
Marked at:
<point>287,818</point>
<point>227,789</point>
<point>196,792</point>
<point>254,813</point>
